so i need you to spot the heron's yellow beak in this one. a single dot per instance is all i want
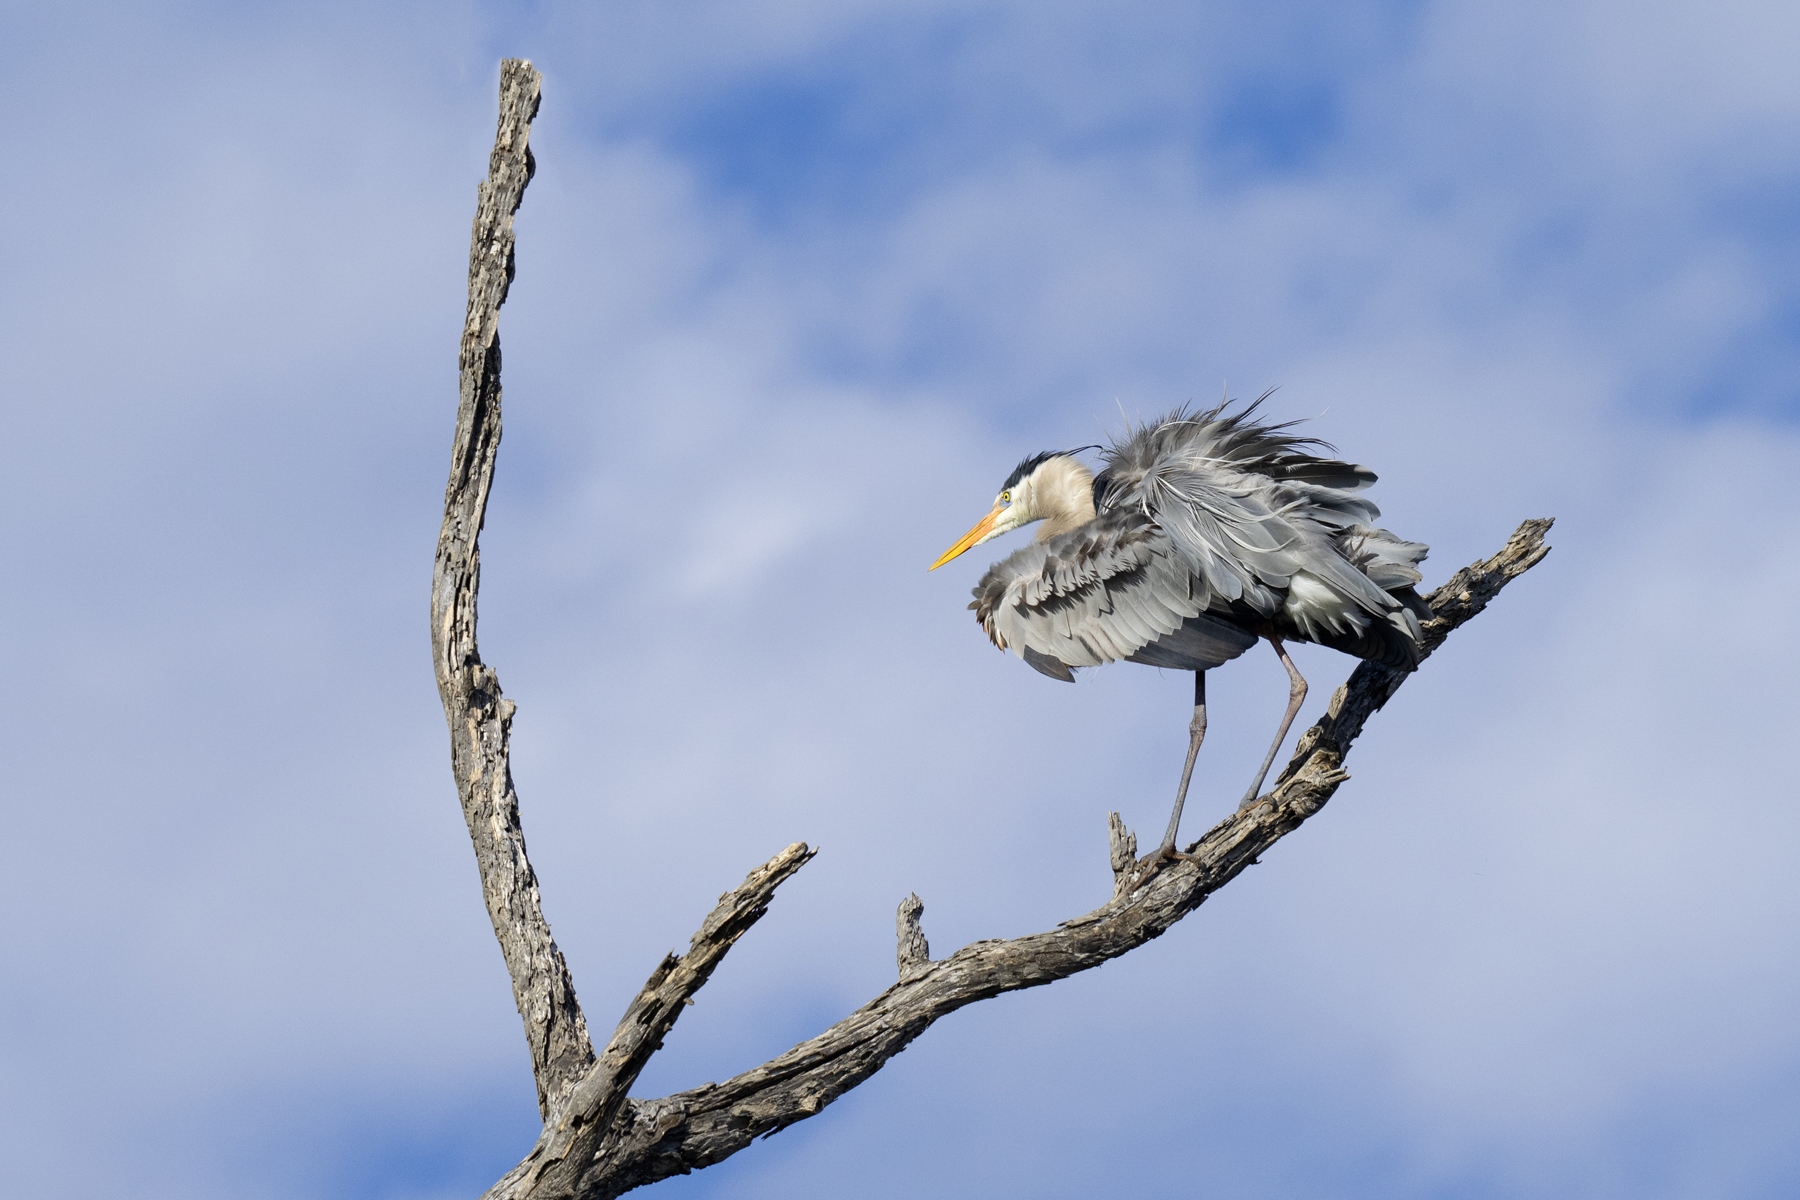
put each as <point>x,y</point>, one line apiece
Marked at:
<point>982,528</point>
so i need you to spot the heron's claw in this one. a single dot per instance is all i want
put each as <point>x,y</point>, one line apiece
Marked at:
<point>1150,867</point>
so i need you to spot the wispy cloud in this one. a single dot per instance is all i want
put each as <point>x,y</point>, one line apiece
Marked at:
<point>798,282</point>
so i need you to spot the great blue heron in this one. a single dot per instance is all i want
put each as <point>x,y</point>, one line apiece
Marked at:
<point>1205,533</point>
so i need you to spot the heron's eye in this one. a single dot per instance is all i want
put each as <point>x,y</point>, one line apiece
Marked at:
<point>1006,497</point>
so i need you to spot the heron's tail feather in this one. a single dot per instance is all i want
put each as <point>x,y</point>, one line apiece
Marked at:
<point>1045,664</point>
<point>1389,562</point>
<point>1393,641</point>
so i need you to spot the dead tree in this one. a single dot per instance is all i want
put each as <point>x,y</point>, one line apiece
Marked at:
<point>596,1142</point>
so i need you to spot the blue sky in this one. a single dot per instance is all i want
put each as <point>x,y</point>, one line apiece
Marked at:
<point>798,283</point>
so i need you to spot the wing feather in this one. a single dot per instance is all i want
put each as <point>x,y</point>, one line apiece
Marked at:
<point>1099,594</point>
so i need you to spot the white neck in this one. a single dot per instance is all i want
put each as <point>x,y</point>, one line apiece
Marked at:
<point>1062,495</point>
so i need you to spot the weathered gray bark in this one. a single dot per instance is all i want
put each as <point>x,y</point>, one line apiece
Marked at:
<point>597,1143</point>
<point>480,717</point>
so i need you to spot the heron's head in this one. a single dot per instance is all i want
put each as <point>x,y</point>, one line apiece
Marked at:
<point>1052,486</point>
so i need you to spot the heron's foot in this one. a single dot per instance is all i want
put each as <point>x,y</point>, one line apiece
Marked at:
<point>1150,867</point>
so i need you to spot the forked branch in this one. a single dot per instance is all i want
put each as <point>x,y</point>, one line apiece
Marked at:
<point>653,1139</point>
<point>596,1143</point>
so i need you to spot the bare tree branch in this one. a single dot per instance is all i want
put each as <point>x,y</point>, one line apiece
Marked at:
<point>653,1139</point>
<point>480,717</point>
<point>598,1144</point>
<point>562,1155</point>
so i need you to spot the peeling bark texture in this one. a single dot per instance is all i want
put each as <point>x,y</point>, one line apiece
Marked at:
<point>480,717</point>
<point>1122,843</point>
<point>913,951</point>
<point>597,1143</point>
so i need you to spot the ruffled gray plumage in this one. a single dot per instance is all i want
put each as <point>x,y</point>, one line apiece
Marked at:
<point>1210,530</point>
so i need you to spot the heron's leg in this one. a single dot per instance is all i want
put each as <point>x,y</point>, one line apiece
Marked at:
<point>1296,697</point>
<point>1196,735</point>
